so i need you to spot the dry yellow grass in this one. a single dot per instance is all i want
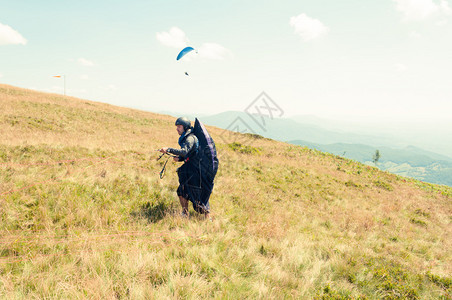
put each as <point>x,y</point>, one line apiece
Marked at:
<point>84,215</point>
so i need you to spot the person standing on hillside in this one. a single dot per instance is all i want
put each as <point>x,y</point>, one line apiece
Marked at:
<point>189,173</point>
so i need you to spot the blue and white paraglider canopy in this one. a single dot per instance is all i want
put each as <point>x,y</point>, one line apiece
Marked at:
<point>184,52</point>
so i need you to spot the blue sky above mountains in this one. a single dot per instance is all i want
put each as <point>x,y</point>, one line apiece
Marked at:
<point>374,59</point>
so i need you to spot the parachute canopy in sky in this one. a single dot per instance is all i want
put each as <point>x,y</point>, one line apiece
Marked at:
<point>183,52</point>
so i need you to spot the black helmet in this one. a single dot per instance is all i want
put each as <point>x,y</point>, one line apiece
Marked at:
<point>184,122</point>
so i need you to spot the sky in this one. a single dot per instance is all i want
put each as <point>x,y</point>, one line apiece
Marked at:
<point>362,59</point>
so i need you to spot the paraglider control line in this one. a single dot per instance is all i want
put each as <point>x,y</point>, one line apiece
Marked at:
<point>162,172</point>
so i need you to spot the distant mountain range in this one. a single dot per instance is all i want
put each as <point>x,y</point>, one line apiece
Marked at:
<point>397,156</point>
<point>288,129</point>
<point>414,156</point>
<point>425,133</point>
<point>409,161</point>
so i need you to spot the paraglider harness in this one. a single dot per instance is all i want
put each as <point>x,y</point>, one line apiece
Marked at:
<point>194,152</point>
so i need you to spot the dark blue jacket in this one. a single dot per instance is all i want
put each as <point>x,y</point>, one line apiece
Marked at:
<point>188,143</point>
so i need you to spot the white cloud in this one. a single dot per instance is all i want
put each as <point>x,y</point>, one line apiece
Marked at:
<point>109,88</point>
<point>214,51</point>
<point>84,77</point>
<point>400,67</point>
<point>418,10</point>
<point>308,28</point>
<point>1,75</point>
<point>444,7</point>
<point>85,62</point>
<point>175,38</point>
<point>441,23</point>
<point>415,35</point>
<point>9,36</point>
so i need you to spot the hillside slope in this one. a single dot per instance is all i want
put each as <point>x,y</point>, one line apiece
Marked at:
<point>83,214</point>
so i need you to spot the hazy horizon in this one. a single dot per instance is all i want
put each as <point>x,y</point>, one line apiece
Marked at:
<point>426,135</point>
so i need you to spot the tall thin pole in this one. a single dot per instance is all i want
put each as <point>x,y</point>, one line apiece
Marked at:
<point>64,82</point>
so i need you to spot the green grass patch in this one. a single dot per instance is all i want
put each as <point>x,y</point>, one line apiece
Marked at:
<point>245,149</point>
<point>383,185</point>
<point>419,222</point>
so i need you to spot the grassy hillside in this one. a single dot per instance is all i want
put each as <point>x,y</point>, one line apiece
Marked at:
<point>83,214</point>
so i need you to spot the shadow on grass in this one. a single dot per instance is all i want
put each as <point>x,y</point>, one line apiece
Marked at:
<point>153,212</point>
